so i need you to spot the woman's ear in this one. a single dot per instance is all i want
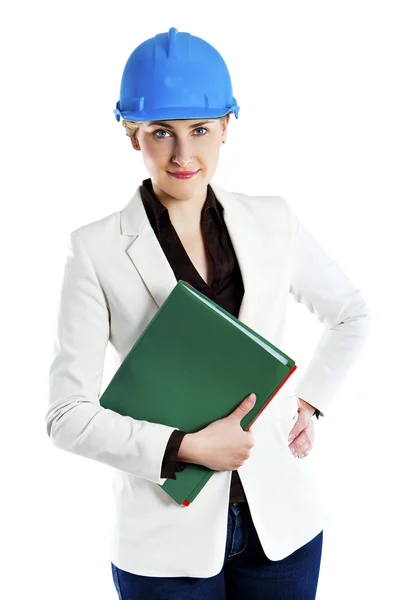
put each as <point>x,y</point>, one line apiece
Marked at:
<point>225,122</point>
<point>135,143</point>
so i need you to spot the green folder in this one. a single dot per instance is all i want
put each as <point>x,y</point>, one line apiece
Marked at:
<point>193,364</point>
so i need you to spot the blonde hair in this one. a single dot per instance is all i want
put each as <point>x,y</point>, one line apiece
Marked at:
<point>132,127</point>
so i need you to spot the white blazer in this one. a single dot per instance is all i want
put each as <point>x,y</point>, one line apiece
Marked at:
<point>116,277</point>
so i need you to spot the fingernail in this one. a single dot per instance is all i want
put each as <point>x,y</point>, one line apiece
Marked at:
<point>291,437</point>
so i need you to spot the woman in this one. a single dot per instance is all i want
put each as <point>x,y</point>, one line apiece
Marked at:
<point>258,532</point>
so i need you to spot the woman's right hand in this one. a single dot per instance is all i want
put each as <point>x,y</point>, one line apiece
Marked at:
<point>223,445</point>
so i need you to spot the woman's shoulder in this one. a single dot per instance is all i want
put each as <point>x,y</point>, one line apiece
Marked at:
<point>255,201</point>
<point>97,235</point>
<point>270,210</point>
<point>270,202</point>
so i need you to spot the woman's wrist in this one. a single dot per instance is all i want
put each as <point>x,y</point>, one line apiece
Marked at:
<point>303,404</point>
<point>186,451</point>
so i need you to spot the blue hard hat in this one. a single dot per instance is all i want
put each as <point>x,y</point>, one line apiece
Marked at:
<point>175,75</point>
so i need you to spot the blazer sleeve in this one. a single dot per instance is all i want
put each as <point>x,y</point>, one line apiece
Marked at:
<point>75,420</point>
<point>319,283</point>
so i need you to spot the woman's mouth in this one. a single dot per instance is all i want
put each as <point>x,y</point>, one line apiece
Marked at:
<point>182,174</point>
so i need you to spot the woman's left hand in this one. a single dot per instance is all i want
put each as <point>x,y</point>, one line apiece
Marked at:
<point>301,436</point>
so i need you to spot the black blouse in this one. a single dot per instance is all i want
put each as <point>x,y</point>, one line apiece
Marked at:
<point>226,287</point>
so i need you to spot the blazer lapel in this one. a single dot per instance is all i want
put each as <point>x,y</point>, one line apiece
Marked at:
<point>150,261</point>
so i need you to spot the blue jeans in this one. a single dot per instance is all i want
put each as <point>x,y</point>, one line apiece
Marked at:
<point>247,573</point>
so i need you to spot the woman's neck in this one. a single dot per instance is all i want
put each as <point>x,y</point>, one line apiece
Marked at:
<point>185,215</point>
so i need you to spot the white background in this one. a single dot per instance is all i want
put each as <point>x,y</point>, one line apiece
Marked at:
<point>317,86</point>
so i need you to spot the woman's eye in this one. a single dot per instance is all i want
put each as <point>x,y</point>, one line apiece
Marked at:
<point>159,131</point>
<point>164,131</point>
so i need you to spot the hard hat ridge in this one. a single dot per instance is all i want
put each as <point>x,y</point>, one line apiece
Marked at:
<point>172,43</point>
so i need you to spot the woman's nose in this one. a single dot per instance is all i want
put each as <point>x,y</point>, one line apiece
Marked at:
<point>182,154</point>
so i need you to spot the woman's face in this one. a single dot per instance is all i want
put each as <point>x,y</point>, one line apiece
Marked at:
<point>181,145</point>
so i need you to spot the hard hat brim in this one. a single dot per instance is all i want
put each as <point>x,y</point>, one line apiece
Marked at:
<point>175,113</point>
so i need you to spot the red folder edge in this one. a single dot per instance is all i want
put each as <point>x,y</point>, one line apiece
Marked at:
<point>185,502</point>
<point>279,387</point>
